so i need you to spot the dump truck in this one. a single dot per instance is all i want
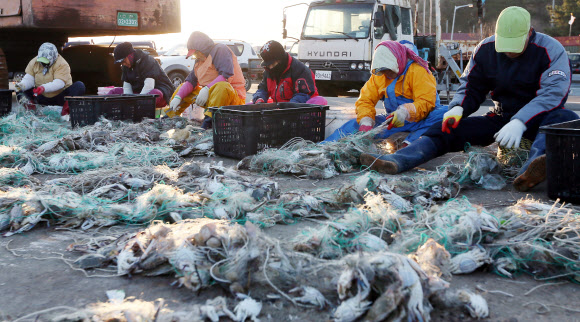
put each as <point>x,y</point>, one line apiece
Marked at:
<point>26,24</point>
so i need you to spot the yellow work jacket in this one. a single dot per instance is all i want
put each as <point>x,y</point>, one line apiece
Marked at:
<point>420,86</point>
<point>59,70</point>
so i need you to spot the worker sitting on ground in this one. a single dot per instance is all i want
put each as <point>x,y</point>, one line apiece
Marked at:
<point>402,80</point>
<point>528,75</point>
<point>48,80</point>
<point>285,79</point>
<point>216,78</point>
<point>141,74</point>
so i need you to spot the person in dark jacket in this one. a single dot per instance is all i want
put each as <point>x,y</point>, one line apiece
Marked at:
<point>141,74</point>
<point>528,75</point>
<point>285,79</point>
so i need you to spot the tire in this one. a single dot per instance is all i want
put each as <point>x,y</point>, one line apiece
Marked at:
<point>176,78</point>
<point>248,81</point>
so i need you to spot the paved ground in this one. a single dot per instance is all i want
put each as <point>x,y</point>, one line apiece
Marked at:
<point>34,277</point>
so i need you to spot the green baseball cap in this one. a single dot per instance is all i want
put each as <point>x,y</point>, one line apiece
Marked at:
<point>43,60</point>
<point>511,30</point>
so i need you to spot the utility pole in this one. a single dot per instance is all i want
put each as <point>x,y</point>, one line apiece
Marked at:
<point>572,18</point>
<point>430,14</point>
<point>424,21</point>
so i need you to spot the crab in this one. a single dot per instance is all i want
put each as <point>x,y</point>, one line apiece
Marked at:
<point>504,265</point>
<point>214,308</point>
<point>468,262</point>
<point>310,295</point>
<point>247,308</point>
<point>351,309</point>
<point>475,304</point>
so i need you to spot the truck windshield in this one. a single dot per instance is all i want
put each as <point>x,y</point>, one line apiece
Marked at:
<point>338,21</point>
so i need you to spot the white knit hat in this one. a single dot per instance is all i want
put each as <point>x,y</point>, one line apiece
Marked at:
<point>384,59</point>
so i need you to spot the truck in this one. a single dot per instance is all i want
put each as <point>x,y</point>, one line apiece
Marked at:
<point>338,39</point>
<point>26,24</point>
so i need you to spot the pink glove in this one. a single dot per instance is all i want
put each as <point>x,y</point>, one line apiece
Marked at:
<point>259,101</point>
<point>366,124</point>
<point>38,91</point>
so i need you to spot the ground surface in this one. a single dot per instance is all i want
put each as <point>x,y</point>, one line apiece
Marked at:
<point>34,276</point>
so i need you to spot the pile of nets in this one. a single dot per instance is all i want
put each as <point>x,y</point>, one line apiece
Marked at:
<point>314,161</point>
<point>204,252</point>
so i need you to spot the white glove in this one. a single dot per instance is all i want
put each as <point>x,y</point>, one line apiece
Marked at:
<point>19,87</point>
<point>510,134</point>
<point>174,104</point>
<point>401,114</point>
<point>366,124</point>
<point>202,96</point>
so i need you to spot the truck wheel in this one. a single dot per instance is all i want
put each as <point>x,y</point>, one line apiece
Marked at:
<point>3,71</point>
<point>248,81</point>
<point>176,78</point>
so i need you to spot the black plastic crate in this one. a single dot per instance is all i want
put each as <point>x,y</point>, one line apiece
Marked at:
<point>563,160</point>
<point>5,101</point>
<point>242,130</point>
<point>86,110</point>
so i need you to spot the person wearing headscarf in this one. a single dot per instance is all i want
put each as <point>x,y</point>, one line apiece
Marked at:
<point>402,80</point>
<point>285,79</point>
<point>141,74</point>
<point>48,80</point>
<point>216,79</point>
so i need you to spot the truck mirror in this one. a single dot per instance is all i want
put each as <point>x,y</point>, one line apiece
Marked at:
<point>379,18</point>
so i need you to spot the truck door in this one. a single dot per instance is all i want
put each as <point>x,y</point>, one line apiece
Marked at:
<point>391,29</point>
<point>10,8</point>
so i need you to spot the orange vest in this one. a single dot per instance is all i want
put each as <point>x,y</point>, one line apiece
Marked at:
<point>206,73</point>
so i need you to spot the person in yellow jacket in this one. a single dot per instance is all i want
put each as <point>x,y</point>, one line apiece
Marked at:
<point>216,79</point>
<point>402,80</point>
<point>48,80</point>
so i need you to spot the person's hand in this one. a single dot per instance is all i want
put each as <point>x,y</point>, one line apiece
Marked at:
<point>259,101</point>
<point>174,104</point>
<point>451,119</point>
<point>38,91</point>
<point>510,134</point>
<point>399,116</point>
<point>202,96</point>
<point>19,86</point>
<point>366,124</point>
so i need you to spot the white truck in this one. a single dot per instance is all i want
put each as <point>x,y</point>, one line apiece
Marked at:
<point>339,36</point>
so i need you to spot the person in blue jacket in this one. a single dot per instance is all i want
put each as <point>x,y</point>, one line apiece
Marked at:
<point>528,74</point>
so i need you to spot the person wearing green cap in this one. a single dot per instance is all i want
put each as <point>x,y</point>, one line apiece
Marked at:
<point>528,76</point>
<point>48,80</point>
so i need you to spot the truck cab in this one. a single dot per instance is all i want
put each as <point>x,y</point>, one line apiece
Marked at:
<point>338,39</point>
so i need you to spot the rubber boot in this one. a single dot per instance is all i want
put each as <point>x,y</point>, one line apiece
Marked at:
<point>534,170</point>
<point>418,152</point>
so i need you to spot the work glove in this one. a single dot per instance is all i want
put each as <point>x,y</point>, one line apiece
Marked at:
<point>202,96</point>
<point>259,101</point>
<point>174,104</point>
<point>366,124</point>
<point>510,134</point>
<point>400,115</point>
<point>451,119</point>
<point>19,86</point>
<point>38,91</point>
